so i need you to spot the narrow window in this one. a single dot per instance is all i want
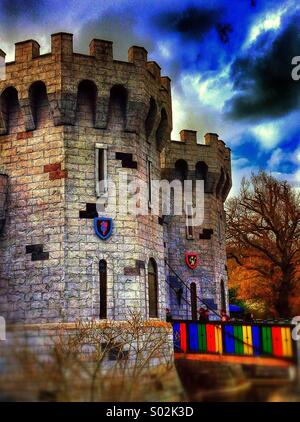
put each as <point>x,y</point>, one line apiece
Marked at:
<point>40,106</point>
<point>152,289</point>
<point>103,288</point>
<point>100,164</point>
<point>220,228</point>
<point>189,221</point>
<point>150,120</point>
<point>223,295</point>
<point>10,110</point>
<point>193,301</point>
<point>149,173</point>
<point>162,133</point>
<point>101,169</point>
<point>117,108</point>
<point>220,183</point>
<point>201,171</point>
<point>86,103</point>
<point>181,170</point>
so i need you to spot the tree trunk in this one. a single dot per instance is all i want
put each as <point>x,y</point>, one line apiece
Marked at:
<point>281,306</point>
<point>284,292</point>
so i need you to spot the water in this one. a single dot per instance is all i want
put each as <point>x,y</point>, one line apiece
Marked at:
<point>214,382</point>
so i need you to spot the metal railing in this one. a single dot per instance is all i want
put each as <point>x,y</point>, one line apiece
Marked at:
<point>239,338</point>
<point>188,287</point>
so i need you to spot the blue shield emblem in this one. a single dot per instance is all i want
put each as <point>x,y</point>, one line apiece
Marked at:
<point>103,227</point>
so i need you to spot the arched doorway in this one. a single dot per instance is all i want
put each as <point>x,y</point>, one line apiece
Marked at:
<point>103,288</point>
<point>152,288</point>
<point>193,290</point>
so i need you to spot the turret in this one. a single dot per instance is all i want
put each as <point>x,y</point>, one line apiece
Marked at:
<point>209,163</point>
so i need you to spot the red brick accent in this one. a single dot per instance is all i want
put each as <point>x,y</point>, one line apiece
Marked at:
<point>24,135</point>
<point>55,171</point>
<point>52,167</point>
<point>131,271</point>
<point>59,174</point>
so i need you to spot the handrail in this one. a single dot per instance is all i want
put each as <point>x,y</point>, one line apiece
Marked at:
<point>255,347</point>
<point>200,300</point>
<point>216,313</point>
<point>176,292</point>
<point>255,322</point>
<point>222,324</point>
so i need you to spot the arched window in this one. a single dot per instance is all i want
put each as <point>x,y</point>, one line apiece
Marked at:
<point>152,288</point>
<point>149,123</point>
<point>226,186</point>
<point>10,109</point>
<point>162,131</point>
<point>193,290</point>
<point>117,107</point>
<point>86,103</point>
<point>201,171</point>
<point>220,183</point>
<point>223,296</point>
<point>103,288</point>
<point>40,107</point>
<point>181,170</point>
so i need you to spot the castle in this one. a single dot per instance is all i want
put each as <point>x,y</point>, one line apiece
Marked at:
<point>67,122</point>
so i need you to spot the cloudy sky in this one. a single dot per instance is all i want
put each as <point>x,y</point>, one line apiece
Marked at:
<point>229,61</point>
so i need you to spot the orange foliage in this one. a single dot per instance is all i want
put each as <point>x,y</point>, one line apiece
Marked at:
<point>257,289</point>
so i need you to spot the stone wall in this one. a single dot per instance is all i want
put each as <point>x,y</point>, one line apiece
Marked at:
<point>208,239</point>
<point>54,109</point>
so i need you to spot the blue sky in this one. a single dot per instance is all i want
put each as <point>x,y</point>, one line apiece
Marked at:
<point>229,61</point>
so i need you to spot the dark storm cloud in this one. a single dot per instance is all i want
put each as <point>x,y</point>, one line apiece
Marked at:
<point>15,9</point>
<point>18,18</point>
<point>117,26</point>
<point>193,23</point>
<point>224,30</point>
<point>263,78</point>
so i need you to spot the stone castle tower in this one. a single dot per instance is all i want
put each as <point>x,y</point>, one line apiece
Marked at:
<point>67,122</point>
<point>209,162</point>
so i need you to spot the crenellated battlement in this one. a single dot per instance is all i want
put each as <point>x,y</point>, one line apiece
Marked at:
<point>210,160</point>
<point>62,75</point>
<point>101,50</point>
<point>26,51</point>
<point>188,136</point>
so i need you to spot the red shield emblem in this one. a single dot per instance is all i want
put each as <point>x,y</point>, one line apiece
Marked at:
<point>191,260</point>
<point>103,227</point>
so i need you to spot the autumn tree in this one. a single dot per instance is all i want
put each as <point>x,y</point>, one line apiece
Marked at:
<point>263,237</point>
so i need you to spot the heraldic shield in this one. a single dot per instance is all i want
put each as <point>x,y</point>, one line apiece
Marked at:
<point>103,227</point>
<point>191,260</point>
